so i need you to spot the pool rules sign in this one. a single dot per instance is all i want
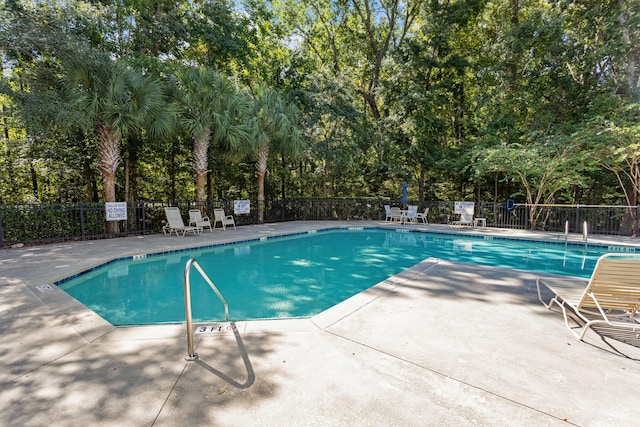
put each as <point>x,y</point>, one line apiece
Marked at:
<point>116,211</point>
<point>241,207</point>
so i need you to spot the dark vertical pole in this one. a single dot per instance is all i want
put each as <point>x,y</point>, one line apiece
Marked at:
<point>1,242</point>
<point>142,206</point>
<point>82,221</point>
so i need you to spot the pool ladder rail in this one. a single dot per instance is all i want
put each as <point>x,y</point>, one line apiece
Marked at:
<point>585,232</point>
<point>191,354</point>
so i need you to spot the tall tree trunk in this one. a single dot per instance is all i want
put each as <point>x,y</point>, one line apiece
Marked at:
<point>210,178</point>
<point>515,55</point>
<point>302,175</point>
<point>633,77</point>
<point>200,185</point>
<point>458,117</point>
<point>324,178</point>
<point>495,197</point>
<point>421,187</point>
<point>131,170</point>
<point>108,158</point>
<point>34,180</point>
<point>261,169</point>
<point>126,179</point>
<point>108,154</point>
<point>200,163</point>
<point>133,177</point>
<point>109,183</point>
<point>283,177</point>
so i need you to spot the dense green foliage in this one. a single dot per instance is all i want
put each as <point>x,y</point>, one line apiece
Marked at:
<point>536,100</point>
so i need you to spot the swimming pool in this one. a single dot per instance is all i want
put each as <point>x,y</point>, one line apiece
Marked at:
<point>299,275</point>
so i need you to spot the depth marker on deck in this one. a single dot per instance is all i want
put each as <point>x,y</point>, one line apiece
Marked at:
<point>44,288</point>
<point>214,329</point>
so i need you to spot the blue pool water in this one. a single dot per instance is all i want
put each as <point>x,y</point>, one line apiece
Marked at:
<point>299,275</point>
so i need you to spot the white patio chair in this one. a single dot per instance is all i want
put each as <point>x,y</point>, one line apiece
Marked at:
<point>396,214</point>
<point>412,212</point>
<point>422,216</point>
<point>220,217</point>
<point>196,219</point>
<point>387,212</point>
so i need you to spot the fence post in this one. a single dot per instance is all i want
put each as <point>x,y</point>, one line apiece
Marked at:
<point>144,217</point>
<point>577,229</point>
<point>1,241</point>
<point>82,221</point>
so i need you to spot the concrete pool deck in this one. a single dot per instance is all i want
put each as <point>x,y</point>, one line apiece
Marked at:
<point>442,343</point>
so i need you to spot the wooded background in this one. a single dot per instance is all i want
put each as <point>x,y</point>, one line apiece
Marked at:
<point>129,100</point>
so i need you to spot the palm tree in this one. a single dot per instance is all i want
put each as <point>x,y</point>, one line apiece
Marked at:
<point>276,126</point>
<point>117,101</point>
<point>211,110</point>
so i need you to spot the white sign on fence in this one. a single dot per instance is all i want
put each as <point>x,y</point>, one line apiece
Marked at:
<point>241,207</point>
<point>461,207</point>
<point>116,211</point>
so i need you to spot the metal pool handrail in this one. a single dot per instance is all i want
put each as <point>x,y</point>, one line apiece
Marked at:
<point>191,354</point>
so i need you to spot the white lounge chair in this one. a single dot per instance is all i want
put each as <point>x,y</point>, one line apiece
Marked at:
<point>422,216</point>
<point>220,217</point>
<point>387,212</point>
<point>609,302</point>
<point>196,219</point>
<point>175,223</point>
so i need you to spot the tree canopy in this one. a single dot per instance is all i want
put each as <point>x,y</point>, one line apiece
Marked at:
<point>535,100</point>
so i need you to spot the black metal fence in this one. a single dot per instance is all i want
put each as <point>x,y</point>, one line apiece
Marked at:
<point>43,223</point>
